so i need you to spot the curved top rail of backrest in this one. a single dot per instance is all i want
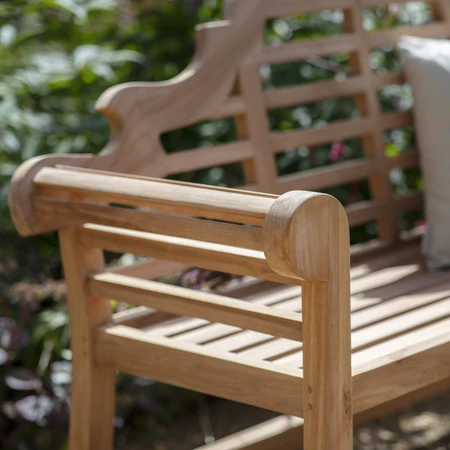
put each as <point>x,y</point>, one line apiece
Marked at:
<point>224,80</point>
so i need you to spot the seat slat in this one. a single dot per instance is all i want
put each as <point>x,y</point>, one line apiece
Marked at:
<point>383,313</point>
<point>394,326</point>
<point>409,362</point>
<point>372,308</point>
<point>379,308</point>
<point>216,331</point>
<point>235,340</point>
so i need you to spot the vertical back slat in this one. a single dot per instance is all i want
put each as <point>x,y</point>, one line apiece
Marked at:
<point>369,106</point>
<point>258,127</point>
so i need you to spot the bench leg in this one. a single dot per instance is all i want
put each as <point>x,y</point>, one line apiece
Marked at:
<point>93,386</point>
<point>327,394</point>
<point>92,408</point>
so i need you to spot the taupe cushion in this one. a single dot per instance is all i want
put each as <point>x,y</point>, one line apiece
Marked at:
<point>427,69</point>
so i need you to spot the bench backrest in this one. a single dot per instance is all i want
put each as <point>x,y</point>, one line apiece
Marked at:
<point>332,135</point>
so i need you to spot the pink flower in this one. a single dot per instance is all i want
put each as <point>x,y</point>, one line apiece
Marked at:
<point>336,152</point>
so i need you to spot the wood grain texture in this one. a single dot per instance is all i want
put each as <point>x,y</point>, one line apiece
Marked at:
<point>165,196</point>
<point>239,261</point>
<point>93,384</point>
<point>221,374</point>
<point>246,350</point>
<point>323,259</point>
<point>151,221</point>
<point>187,302</point>
<point>222,81</point>
<point>286,431</point>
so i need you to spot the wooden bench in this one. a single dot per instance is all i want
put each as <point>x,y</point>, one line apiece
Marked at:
<point>271,350</point>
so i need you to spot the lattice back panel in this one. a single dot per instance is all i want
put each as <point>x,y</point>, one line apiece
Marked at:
<point>348,134</point>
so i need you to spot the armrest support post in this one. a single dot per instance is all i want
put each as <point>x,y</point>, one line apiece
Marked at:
<point>306,236</point>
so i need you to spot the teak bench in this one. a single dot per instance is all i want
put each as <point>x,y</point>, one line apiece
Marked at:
<point>325,358</point>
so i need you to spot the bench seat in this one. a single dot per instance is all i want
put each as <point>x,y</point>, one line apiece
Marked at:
<point>399,311</point>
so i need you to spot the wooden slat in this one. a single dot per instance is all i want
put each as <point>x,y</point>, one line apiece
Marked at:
<point>363,212</point>
<point>390,37</point>
<point>409,158</point>
<point>192,303</point>
<point>223,375</point>
<point>379,286</point>
<point>208,157</point>
<point>374,3</point>
<point>370,304</point>
<point>302,49</point>
<point>286,431</point>
<point>405,364</point>
<point>368,105</point>
<point>166,181</point>
<point>206,333</point>
<point>92,386</point>
<point>210,256</point>
<point>396,120</point>
<point>150,269</point>
<point>234,340</point>
<point>141,317</point>
<point>408,202</point>
<point>388,79</point>
<point>233,106</point>
<point>151,222</point>
<point>387,318</point>
<point>291,7</point>
<point>263,167</point>
<point>398,325</point>
<point>312,92</point>
<point>324,177</point>
<point>321,135</point>
<point>182,199</point>
<point>283,432</point>
<point>380,322</point>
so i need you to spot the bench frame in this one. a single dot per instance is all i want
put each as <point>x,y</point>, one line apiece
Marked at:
<point>300,237</point>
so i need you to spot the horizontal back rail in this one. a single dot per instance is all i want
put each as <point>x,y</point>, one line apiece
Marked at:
<point>194,303</point>
<point>239,261</point>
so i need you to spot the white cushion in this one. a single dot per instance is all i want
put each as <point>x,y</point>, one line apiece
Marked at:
<point>427,69</point>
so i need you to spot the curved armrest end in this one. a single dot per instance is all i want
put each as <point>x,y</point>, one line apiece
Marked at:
<point>21,192</point>
<point>306,235</point>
